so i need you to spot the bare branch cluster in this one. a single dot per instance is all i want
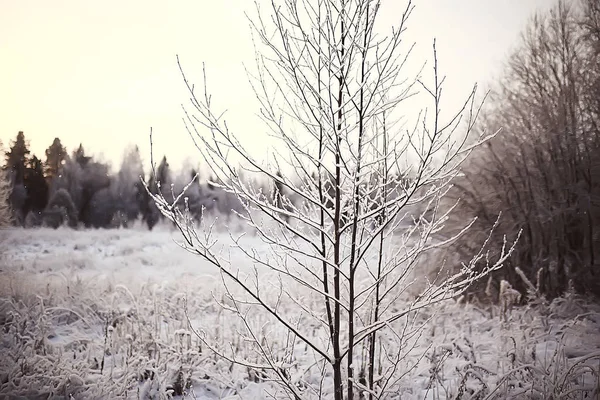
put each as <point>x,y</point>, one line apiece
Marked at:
<point>542,170</point>
<point>357,201</point>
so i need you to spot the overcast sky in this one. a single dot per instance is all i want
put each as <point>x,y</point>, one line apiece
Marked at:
<point>103,72</point>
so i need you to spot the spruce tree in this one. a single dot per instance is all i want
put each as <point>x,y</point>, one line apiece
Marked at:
<point>36,186</point>
<point>17,158</point>
<point>55,155</point>
<point>80,157</point>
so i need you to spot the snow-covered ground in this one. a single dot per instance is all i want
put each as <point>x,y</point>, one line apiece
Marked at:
<point>107,313</point>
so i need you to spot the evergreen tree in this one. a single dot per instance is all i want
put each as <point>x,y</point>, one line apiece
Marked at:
<point>80,157</point>
<point>142,198</point>
<point>159,177</point>
<point>55,156</point>
<point>16,162</point>
<point>147,205</point>
<point>150,213</point>
<point>36,186</point>
<point>163,177</point>
<point>17,157</point>
<point>127,190</point>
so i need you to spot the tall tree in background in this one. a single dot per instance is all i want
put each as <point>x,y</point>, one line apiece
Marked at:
<point>69,178</point>
<point>159,183</point>
<point>143,201</point>
<point>591,23</point>
<point>80,157</point>
<point>17,158</point>
<point>163,181</point>
<point>36,186</point>
<point>127,186</point>
<point>163,176</point>
<point>591,28</point>
<point>5,190</point>
<point>55,156</point>
<point>16,161</point>
<point>543,171</point>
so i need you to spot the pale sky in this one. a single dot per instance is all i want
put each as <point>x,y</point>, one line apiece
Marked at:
<point>103,72</point>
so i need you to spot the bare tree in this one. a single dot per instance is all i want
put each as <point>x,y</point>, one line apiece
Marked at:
<point>5,213</point>
<point>5,189</point>
<point>543,171</point>
<point>368,187</point>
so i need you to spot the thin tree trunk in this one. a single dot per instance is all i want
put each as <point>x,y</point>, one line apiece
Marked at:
<point>337,361</point>
<point>353,248</point>
<point>373,336</point>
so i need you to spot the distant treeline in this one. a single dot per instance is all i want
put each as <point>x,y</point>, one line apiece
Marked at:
<point>76,190</point>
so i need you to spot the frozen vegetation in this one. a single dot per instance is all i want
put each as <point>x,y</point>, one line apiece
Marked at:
<point>119,314</point>
<point>369,235</point>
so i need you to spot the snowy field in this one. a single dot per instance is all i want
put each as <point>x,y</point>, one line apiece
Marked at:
<point>111,314</point>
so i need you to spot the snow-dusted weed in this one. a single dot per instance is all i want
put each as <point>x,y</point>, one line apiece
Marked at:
<point>531,356</point>
<point>63,335</point>
<point>130,322</point>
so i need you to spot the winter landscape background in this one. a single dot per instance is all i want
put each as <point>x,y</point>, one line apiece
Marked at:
<point>369,251</point>
<point>114,314</point>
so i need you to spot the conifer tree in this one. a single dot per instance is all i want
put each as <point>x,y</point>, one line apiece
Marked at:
<point>17,157</point>
<point>36,186</point>
<point>55,156</point>
<point>80,157</point>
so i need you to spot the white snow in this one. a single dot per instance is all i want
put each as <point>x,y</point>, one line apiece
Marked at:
<point>104,314</point>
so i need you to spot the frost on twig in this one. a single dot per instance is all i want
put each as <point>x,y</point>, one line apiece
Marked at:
<point>356,201</point>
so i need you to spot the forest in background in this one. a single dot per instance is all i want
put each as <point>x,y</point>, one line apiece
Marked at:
<point>77,190</point>
<point>542,171</point>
